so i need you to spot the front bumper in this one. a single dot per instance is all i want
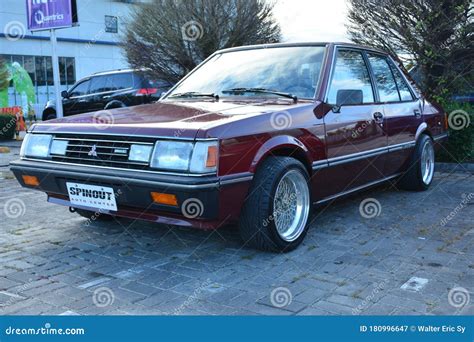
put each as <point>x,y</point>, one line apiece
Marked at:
<point>134,188</point>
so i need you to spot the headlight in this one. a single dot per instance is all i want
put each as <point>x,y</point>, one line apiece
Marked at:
<point>140,153</point>
<point>200,157</point>
<point>172,155</point>
<point>36,145</point>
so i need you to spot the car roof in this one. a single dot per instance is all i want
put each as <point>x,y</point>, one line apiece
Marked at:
<point>279,45</point>
<point>116,71</point>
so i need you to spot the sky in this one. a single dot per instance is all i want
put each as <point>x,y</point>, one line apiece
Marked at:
<point>312,20</point>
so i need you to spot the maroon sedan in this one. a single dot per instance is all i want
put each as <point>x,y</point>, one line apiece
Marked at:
<point>253,135</point>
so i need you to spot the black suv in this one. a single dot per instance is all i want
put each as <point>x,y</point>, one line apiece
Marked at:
<point>106,90</point>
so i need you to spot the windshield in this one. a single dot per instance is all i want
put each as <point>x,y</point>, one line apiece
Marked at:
<point>293,70</point>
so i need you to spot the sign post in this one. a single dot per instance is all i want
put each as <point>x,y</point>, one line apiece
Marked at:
<point>56,76</point>
<point>51,15</point>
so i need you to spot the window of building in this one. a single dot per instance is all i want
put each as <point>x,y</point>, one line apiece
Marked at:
<point>40,70</point>
<point>111,24</point>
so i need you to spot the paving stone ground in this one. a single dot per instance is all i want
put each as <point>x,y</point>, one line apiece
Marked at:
<point>55,262</point>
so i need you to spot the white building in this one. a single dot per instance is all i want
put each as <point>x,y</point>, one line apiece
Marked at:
<point>92,46</point>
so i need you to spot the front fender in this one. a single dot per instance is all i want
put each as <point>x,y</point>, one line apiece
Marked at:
<point>280,142</point>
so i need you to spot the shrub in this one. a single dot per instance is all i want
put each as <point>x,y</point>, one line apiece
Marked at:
<point>7,126</point>
<point>460,145</point>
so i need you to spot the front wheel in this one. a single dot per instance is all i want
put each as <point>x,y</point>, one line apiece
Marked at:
<point>420,172</point>
<point>276,213</point>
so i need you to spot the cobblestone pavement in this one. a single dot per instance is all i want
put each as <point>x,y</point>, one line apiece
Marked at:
<point>412,254</point>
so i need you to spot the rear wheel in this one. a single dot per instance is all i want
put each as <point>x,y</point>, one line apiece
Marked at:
<point>420,172</point>
<point>276,213</point>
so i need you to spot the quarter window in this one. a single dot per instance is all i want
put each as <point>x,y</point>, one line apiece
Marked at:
<point>403,89</point>
<point>386,85</point>
<point>350,76</point>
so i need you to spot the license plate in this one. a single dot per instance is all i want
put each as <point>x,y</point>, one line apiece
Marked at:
<point>93,196</point>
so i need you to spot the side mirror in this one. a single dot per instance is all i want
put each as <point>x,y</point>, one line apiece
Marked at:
<point>349,97</point>
<point>65,94</point>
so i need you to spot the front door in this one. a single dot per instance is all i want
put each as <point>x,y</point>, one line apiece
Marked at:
<point>77,102</point>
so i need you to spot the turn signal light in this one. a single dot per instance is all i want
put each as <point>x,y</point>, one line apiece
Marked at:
<point>30,180</point>
<point>167,199</point>
<point>211,156</point>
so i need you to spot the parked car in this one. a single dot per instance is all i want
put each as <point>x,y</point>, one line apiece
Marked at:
<point>254,135</point>
<point>107,90</point>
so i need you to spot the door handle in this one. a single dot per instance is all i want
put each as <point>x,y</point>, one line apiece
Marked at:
<point>417,113</point>
<point>378,117</point>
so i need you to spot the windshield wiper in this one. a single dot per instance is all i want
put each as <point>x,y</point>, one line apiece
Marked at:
<point>261,90</point>
<point>196,94</point>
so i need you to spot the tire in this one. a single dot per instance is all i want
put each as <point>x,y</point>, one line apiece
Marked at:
<point>261,213</point>
<point>49,116</point>
<point>420,171</point>
<point>93,215</point>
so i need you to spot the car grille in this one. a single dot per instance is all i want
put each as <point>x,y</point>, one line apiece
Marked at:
<point>101,151</point>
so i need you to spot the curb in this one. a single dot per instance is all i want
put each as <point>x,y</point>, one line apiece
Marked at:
<point>454,167</point>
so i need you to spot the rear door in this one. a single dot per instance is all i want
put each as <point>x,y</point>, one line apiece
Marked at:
<point>402,111</point>
<point>120,88</point>
<point>355,138</point>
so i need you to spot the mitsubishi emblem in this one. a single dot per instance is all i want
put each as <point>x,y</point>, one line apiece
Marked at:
<point>93,152</point>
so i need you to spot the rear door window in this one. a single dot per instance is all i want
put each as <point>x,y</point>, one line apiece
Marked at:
<point>98,84</point>
<point>386,85</point>
<point>350,75</point>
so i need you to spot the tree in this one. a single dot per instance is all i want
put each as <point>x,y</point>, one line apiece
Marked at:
<point>435,35</point>
<point>171,37</point>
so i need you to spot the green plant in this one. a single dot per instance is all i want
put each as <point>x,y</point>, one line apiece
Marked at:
<point>7,126</point>
<point>460,145</point>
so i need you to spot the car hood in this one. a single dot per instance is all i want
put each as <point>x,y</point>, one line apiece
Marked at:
<point>168,119</point>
